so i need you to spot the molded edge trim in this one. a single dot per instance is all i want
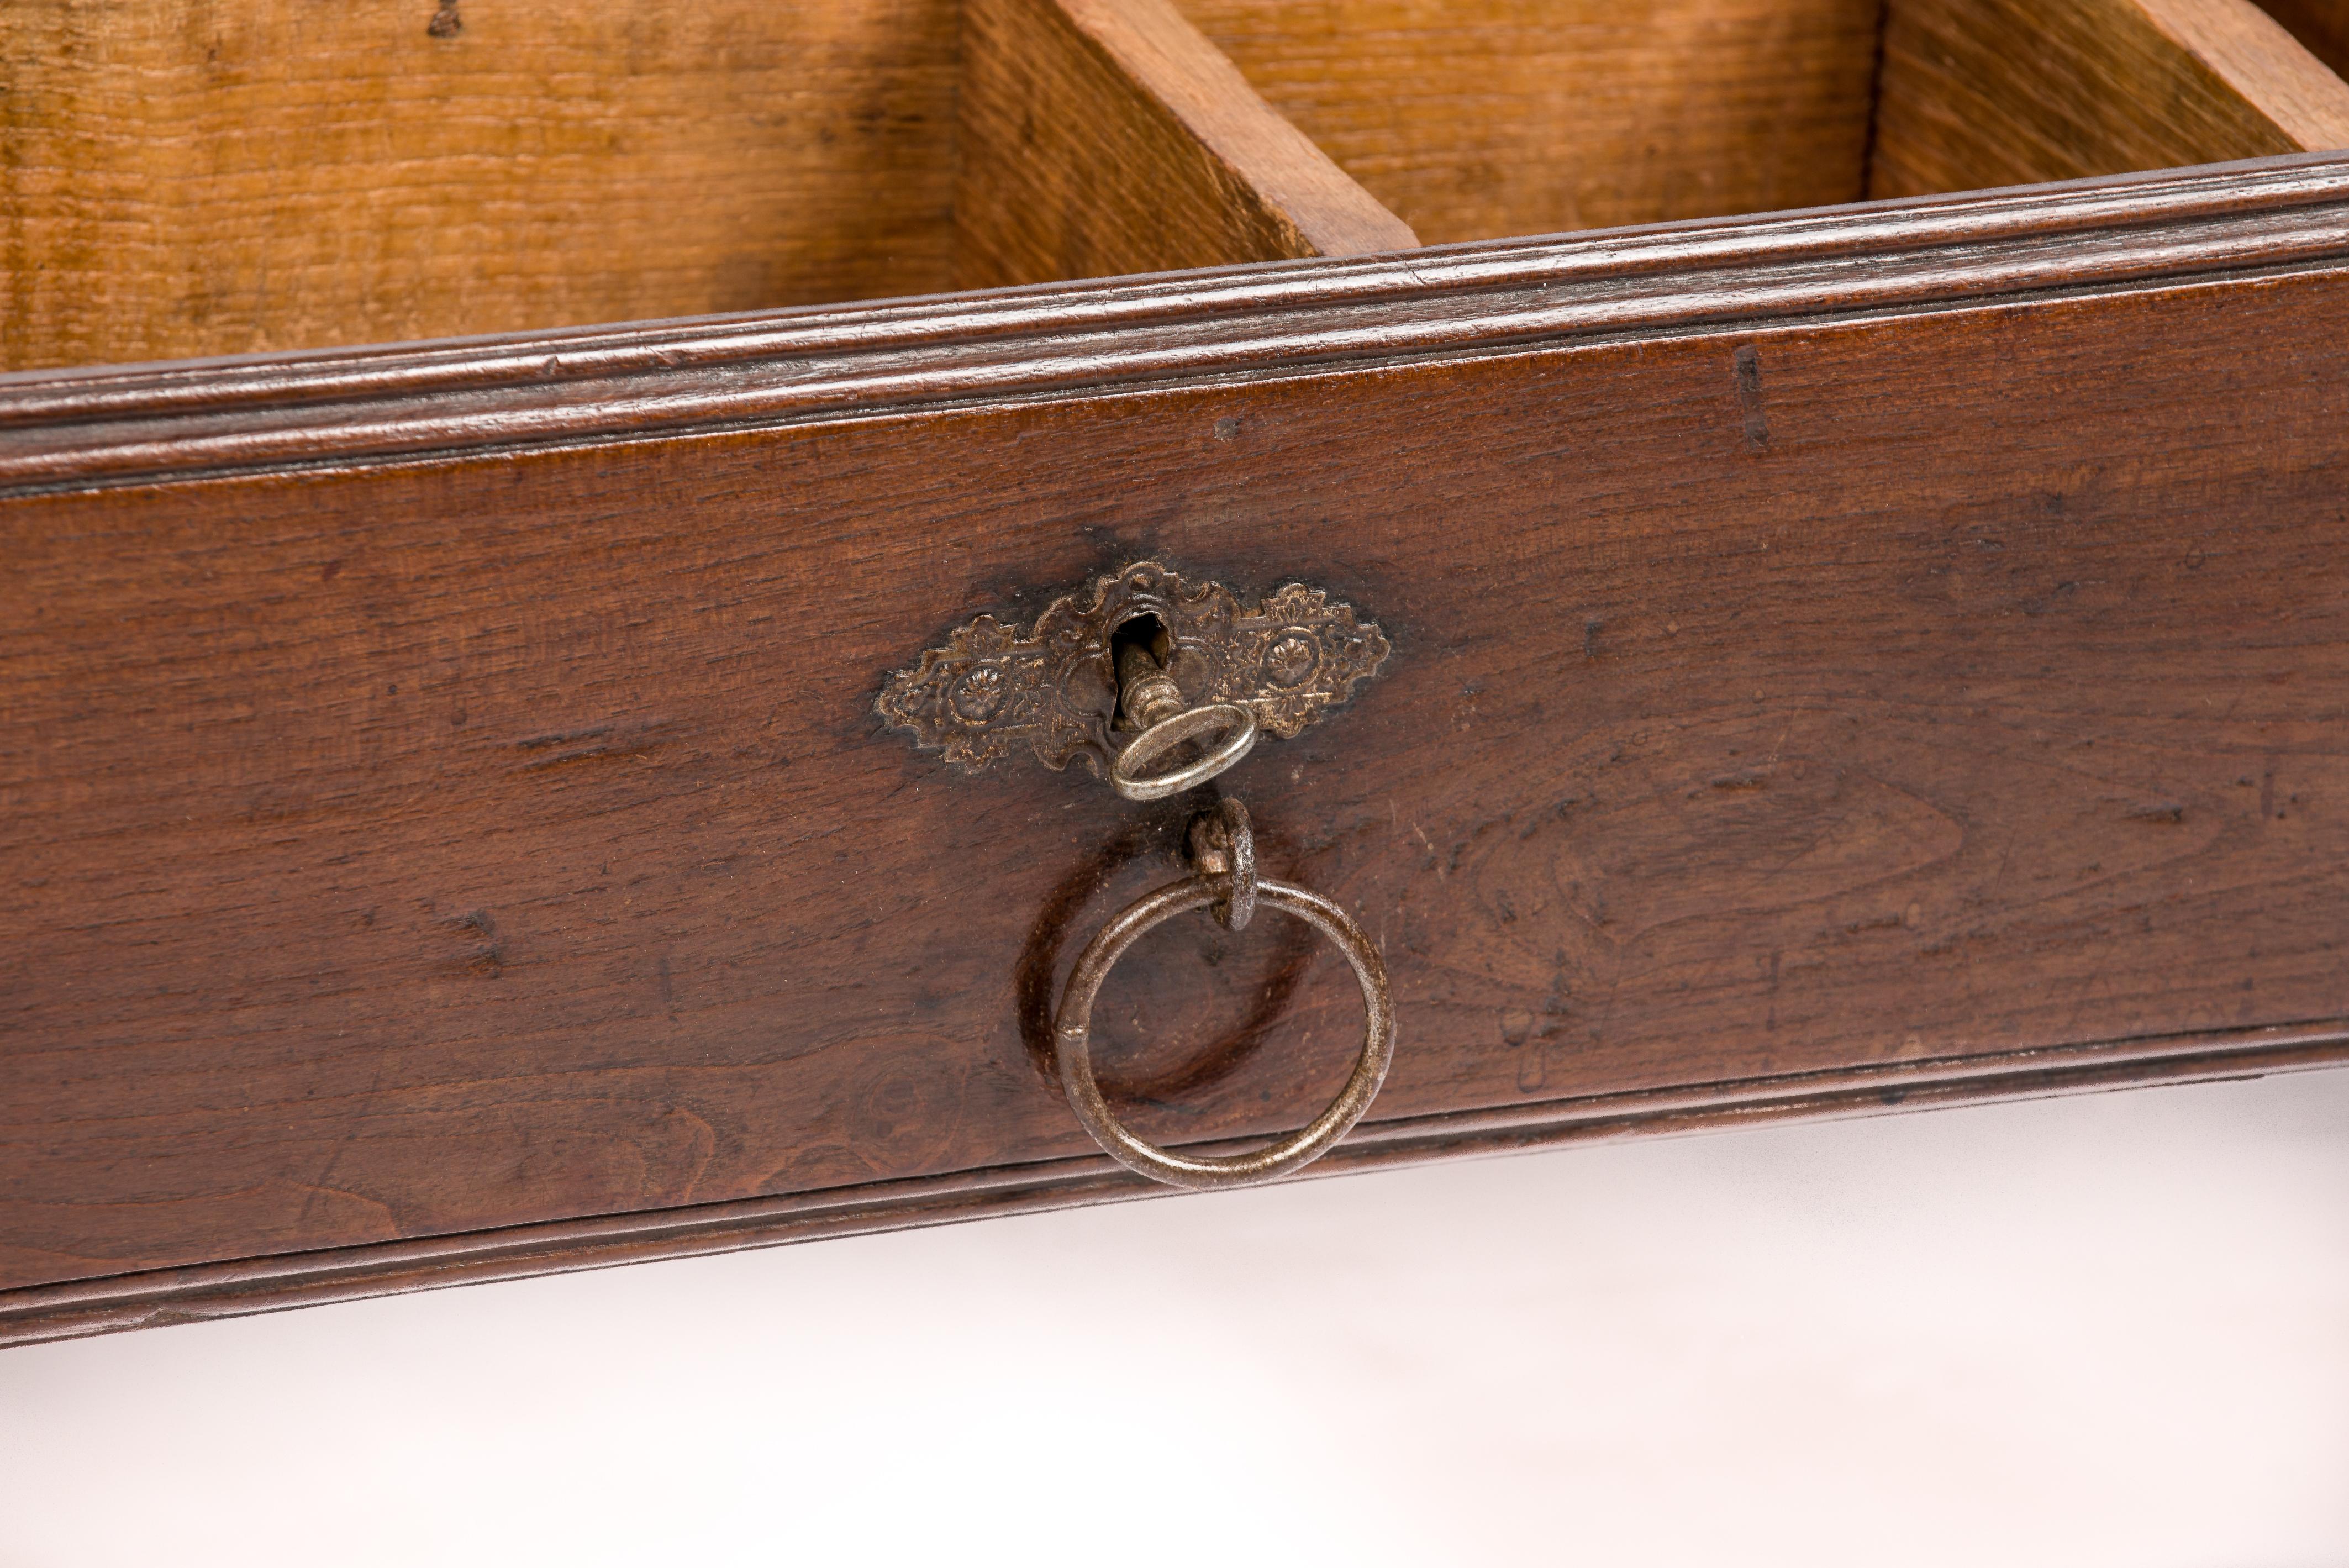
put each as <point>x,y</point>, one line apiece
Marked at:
<point>462,397</point>
<point>206,1291</point>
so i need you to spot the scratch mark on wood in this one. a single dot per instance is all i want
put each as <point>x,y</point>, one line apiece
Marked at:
<point>488,957</point>
<point>1747,363</point>
<point>558,748</point>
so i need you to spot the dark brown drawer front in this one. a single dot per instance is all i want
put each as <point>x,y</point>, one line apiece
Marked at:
<point>416,849</point>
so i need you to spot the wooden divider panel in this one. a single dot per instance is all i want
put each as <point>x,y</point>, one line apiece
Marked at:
<point>1482,118</point>
<point>1978,93</point>
<point>1101,137</point>
<point>190,177</point>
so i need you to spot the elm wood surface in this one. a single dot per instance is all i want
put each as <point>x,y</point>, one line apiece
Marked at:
<point>1477,119</point>
<point>204,1291</point>
<point>116,426</point>
<point>2006,92</point>
<point>179,178</point>
<point>1931,656</point>
<point>1101,136</point>
<point>182,177</point>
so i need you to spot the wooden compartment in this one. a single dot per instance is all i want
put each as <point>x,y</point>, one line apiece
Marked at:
<point>1843,657</point>
<point>2007,92</point>
<point>186,178</point>
<point>1479,119</point>
<point>183,178</point>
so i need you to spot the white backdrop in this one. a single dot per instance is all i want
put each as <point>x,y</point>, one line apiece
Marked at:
<point>2109,1330</point>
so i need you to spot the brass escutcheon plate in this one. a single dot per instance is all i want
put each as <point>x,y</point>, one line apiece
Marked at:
<point>994,690</point>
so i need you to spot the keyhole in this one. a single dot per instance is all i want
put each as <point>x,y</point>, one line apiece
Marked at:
<point>1138,646</point>
<point>1144,631</point>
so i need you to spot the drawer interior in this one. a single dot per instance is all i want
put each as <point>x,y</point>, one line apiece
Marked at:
<point>196,177</point>
<point>1482,118</point>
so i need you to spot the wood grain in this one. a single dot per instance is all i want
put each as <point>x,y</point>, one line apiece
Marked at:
<point>1101,137</point>
<point>187,177</point>
<point>417,848</point>
<point>204,1291</point>
<point>2321,26</point>
<point>1977,93</point>
<point>90,429</point>
<point>1478,118</point>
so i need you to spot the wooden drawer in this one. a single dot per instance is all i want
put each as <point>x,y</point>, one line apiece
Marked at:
<point>1867,656</point>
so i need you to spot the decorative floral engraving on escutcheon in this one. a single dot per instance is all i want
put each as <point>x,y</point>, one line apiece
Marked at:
<point>993,690</point>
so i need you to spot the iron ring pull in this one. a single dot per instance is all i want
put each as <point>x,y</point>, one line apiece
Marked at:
<point>1225,878</point>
